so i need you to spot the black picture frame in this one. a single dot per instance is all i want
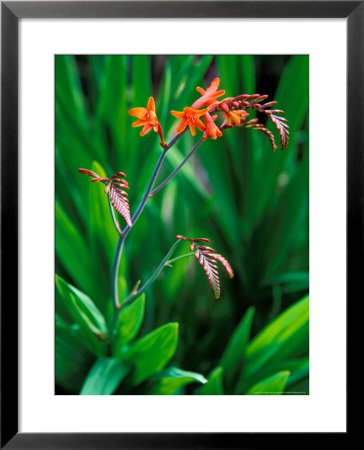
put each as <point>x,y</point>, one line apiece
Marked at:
<point>11,12</point>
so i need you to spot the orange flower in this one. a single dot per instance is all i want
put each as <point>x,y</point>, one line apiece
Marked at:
<point>147,118</point>
<point>190,117</point>
<point>235,115</point>
<point>212,130</point>
<point>209,96</point>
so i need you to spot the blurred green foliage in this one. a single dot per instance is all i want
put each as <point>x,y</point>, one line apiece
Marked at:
<point>252,204</point>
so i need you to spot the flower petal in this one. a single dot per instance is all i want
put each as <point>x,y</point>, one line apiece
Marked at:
<point>138,112</point>
<point>139,123</point>
<point>182,126</point>
<point>192,128</point>
<point>178,114</point>
<point>199,124</point>
<point>151,104</point>
<point>146,129</point>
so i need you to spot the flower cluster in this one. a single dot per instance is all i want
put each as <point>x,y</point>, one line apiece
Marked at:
<point>204,112</point>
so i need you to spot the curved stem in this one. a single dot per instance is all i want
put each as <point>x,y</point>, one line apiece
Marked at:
<point>158,270</point>
<point>136,294</point>
<point>124,233</point>
<point>160,186</point>
<point>171,261</point>
<point>149,187</point>
<point>119,248</point>
<point>115,268</point>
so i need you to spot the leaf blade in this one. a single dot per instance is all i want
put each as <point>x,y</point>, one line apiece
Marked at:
<point>273,385</point>
<point>152,352</point>
<point>104,377</point>
<point>173,378</point>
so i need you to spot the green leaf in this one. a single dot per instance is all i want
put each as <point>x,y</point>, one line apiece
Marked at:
<point>152,352</point>
<point>233,356</point>
<point>293,90</point>
<point>247,73</point>
<point>72,251</point>
<point>290,277</point>
<point>273,385</point>
<point>72,359</point>
<point>68,87</point>
<point>214,384</point>
<point>285,337</point>
<point>298,368</point>
<point>172,379</point>
<point>104,377</point>
<point>85,314</point>
<point>129,323</point>
<point>112,109</point>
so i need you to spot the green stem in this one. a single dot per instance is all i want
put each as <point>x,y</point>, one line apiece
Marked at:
<point>124,233</point>
<point>115,268</point>
<point>119,248</point>
<point>134,295</point>
<point>178,257</point>
<point>158,270</point>
<point>177,169</point>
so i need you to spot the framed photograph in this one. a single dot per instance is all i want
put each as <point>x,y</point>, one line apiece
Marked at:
<point>181,221</point>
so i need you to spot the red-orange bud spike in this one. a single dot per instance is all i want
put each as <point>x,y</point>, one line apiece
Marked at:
<point>90,173</point>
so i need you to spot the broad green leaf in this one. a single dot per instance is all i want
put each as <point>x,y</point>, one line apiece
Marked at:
<point>247,74</point>
<point>214,384</point>
<point>273,385</point>
<point>285,337</point>
<point>97,63</point>
<point>152,352</point>
<point>112,110</point>
<point>104,377</point>
<point>129,323</point>
<point>280,328</point>
<point>298,368</point>
<point>113,87</point>
<point>72,251</point>
<point>233,356</point>
<point>68,87</point>
<point>172,379</point>
<point>72,359</point>
<point>85,314</point>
